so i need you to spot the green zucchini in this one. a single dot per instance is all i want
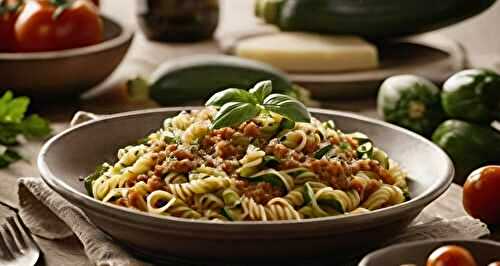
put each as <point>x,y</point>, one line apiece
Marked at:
<point>411,102</point>
<point>472,95</point>
<point>380,156</point>
<point>469,145</point>
<point>197,77</point>
<point>371,18</point>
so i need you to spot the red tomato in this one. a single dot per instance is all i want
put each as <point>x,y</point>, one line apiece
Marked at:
<point>481,196</point>
<point>451,256</point>
<point>9,10</point>
<point>40,28</point>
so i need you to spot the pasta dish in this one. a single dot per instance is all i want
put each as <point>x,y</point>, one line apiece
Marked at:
<point>263,167</point>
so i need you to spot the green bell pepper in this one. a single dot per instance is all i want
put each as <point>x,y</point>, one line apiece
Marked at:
<point>411,102</point>
<point>472,95</point>
<point>469,145</point>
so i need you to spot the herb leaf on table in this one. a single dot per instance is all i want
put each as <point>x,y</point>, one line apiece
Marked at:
<point>14,125</point>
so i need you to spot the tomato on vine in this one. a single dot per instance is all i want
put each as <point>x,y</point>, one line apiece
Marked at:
<point>48,25</point>
<point>9,11</point>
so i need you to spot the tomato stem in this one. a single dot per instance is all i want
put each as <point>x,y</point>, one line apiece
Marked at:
<point>6,8</point>
<point>61,6</point>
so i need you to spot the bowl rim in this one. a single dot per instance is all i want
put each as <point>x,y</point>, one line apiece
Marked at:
<point>370,256</point>
<point>125,36</point>
<point>138,217</point>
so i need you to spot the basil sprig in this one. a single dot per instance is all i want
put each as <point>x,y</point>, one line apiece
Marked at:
<point>237,105</point>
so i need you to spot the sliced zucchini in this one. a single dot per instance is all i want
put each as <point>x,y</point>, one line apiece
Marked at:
<point>323,151</point>
<point>380,156</point>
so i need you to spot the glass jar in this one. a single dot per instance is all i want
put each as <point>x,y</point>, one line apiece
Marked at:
<point>178,20</point>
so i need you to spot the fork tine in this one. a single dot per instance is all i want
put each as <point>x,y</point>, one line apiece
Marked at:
<point>26,237</point>
<point>5,252</point>
<point>15,231</point>
<point>8,240</point>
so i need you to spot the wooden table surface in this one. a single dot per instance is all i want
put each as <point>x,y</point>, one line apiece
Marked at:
<point>143,57</point>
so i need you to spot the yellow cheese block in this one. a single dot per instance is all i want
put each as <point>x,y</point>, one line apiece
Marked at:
<point>307,52</point>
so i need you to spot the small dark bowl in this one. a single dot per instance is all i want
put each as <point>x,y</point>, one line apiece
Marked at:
<point>416,253</point>
<point>67,72</point>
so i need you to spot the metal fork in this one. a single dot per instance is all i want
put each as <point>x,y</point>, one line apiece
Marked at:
<point>16,246</point>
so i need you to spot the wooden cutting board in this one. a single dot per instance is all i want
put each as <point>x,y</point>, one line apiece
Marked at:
<point>430,55</point>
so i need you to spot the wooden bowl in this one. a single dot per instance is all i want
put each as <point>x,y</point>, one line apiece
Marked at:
<point>67,72</point>
<point>76,152</point>
<point>416,253</point>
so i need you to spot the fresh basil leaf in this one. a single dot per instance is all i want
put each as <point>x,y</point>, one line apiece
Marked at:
<point>287,107</point>
<point>261,90</point>
<point>7,157</point>
<point>276,99</point>
<point>12,109</point>
<point>35,126</point>
<point>234,113</point>
<point>231,95</point>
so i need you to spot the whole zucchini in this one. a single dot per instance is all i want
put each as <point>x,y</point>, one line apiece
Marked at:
<point>469,145</point>
<point>472,95</point>
<point>198,77</point>
<point>370,18</point>
<point>411,102</point>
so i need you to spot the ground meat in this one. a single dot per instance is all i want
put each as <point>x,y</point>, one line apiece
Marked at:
<point>225,149</point>
<point>224,133</point>
<point>183,166</point>
<point>332,172</point>
<point>365,190</point>
<point>170,148</point>
<point>298,156</point>
<point>372,166</point>
<point>122,202</point>
<point>135,200</point>
<point>261,192</point>
<point>311,146</point>
<point>354,143</point>
<point>229,167</point>
<point>288,164</point>
<point>280,151</point>
<point>158,146</point>
<point>183,154</point>
<point>207,143</point>
<point>135,179</point>
<point>251,130</point>
<point>155,183</point>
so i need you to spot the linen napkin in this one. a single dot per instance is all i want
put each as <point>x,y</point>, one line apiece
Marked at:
<point>50,216</point>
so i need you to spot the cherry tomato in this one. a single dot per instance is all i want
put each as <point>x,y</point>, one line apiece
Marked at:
<point>451,256</point>
<point>496,263</point>
<point>9,10</point>
<point>481,196</point>
<point>46,26</point>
